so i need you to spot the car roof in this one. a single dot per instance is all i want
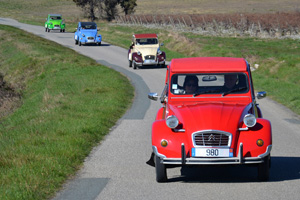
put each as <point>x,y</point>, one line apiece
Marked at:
<point>88,23</point>
<point>208,64</point>
<point>145,35</point>
<point>54,14</point>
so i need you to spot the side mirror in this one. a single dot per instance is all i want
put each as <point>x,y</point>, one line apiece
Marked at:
<point>161,44</point>
<point>153,96</point>
<point>98,29</point>
<point>261,95</point>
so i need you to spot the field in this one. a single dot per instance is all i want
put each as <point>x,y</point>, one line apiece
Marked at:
<point>169,7</point>
<point>39,150</point>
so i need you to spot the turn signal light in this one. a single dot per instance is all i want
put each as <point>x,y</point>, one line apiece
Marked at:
<point>164,143</point>
<point>260,142</point>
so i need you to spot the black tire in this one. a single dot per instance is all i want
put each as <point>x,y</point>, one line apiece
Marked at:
<point>79,43</point>
<point>76,42</point>
<point>161,171</point>
<point>99,44</point>
<point>264,169</point>
<point>130,63</point>
<point>134,66</point>
<point>63,30</point>
<point>60,30</point>
<point>48,30</point>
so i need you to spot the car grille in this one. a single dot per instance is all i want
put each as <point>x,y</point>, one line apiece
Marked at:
<point>149,57</point>
<point>56,25</point>
<point>90,38</point>
<point>212,138</point>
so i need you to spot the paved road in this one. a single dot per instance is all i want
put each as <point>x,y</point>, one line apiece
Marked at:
<point>117,168</point>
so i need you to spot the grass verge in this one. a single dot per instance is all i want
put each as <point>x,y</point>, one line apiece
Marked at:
<point>69,103</point>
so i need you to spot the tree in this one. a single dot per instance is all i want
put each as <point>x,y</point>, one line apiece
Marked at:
<point>128,6</point>
<point>89,7</point>
<point>106,8</point>
<point>110,9</point>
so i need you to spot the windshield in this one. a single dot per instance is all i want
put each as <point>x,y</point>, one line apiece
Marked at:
<point>146,41</point>
<point>88,26</point>
<point>218,83</point>
<point>56,17</point>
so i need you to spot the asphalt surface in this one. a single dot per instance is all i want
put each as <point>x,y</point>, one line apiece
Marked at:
<point>117,168</point>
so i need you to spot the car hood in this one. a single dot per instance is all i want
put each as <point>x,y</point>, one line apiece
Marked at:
<point>89,32</point>
<point>210,116</point>
<point>56,22</point>
<point>147,50</point>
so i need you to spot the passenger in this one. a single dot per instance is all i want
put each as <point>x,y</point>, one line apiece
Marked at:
<point>190,84</point>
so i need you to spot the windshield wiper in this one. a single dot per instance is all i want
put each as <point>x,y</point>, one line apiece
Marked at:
<point>234,90</point>
<point>205,92</point>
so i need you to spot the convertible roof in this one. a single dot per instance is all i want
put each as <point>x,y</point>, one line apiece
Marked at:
<point>208,64</point>
<point>147,35</point>
<point>55,14</point>
<point>88,23</point>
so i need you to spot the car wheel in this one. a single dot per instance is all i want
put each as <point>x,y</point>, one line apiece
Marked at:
<point>60,30</point>
<point>48,30</point>
<point>79,43</point>
<point>130,63</point>
<point>135,66</point>
<point>264,169</point>
<point>161,171</point>
<point>99,44</point>
<point>63,30</point>
<point>76,42</point>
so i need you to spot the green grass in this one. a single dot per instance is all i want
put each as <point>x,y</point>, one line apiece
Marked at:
<point>69,103</point>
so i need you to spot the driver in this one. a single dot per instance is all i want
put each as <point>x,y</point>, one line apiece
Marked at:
<point>230,81</point>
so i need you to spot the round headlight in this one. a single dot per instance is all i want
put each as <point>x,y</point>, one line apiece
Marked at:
<point>172,121</point>
<point>249,120</point>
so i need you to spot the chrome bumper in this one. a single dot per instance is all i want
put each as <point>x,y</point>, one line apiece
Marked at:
<point>56,28</point>
<point>146,62</point>
<point>212,161</point>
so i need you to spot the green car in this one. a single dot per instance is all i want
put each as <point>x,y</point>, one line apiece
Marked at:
<point>55,22</point>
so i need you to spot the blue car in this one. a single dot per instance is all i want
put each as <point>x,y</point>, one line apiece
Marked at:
<point>86,33</point>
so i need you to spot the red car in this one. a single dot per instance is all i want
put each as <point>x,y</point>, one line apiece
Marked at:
<point>209,116</point>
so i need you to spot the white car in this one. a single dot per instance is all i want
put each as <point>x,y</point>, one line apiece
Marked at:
<point>145,50</point>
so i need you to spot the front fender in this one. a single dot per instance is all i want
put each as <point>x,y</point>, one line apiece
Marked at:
<point>160,131</point>
<point>161,57</point>
<point>137,58</point>
<point>99,38</point>
<point>262,130</point>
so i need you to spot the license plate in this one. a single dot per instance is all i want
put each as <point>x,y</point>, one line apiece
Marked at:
<point>212,152</point>
<point>149,62</point>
